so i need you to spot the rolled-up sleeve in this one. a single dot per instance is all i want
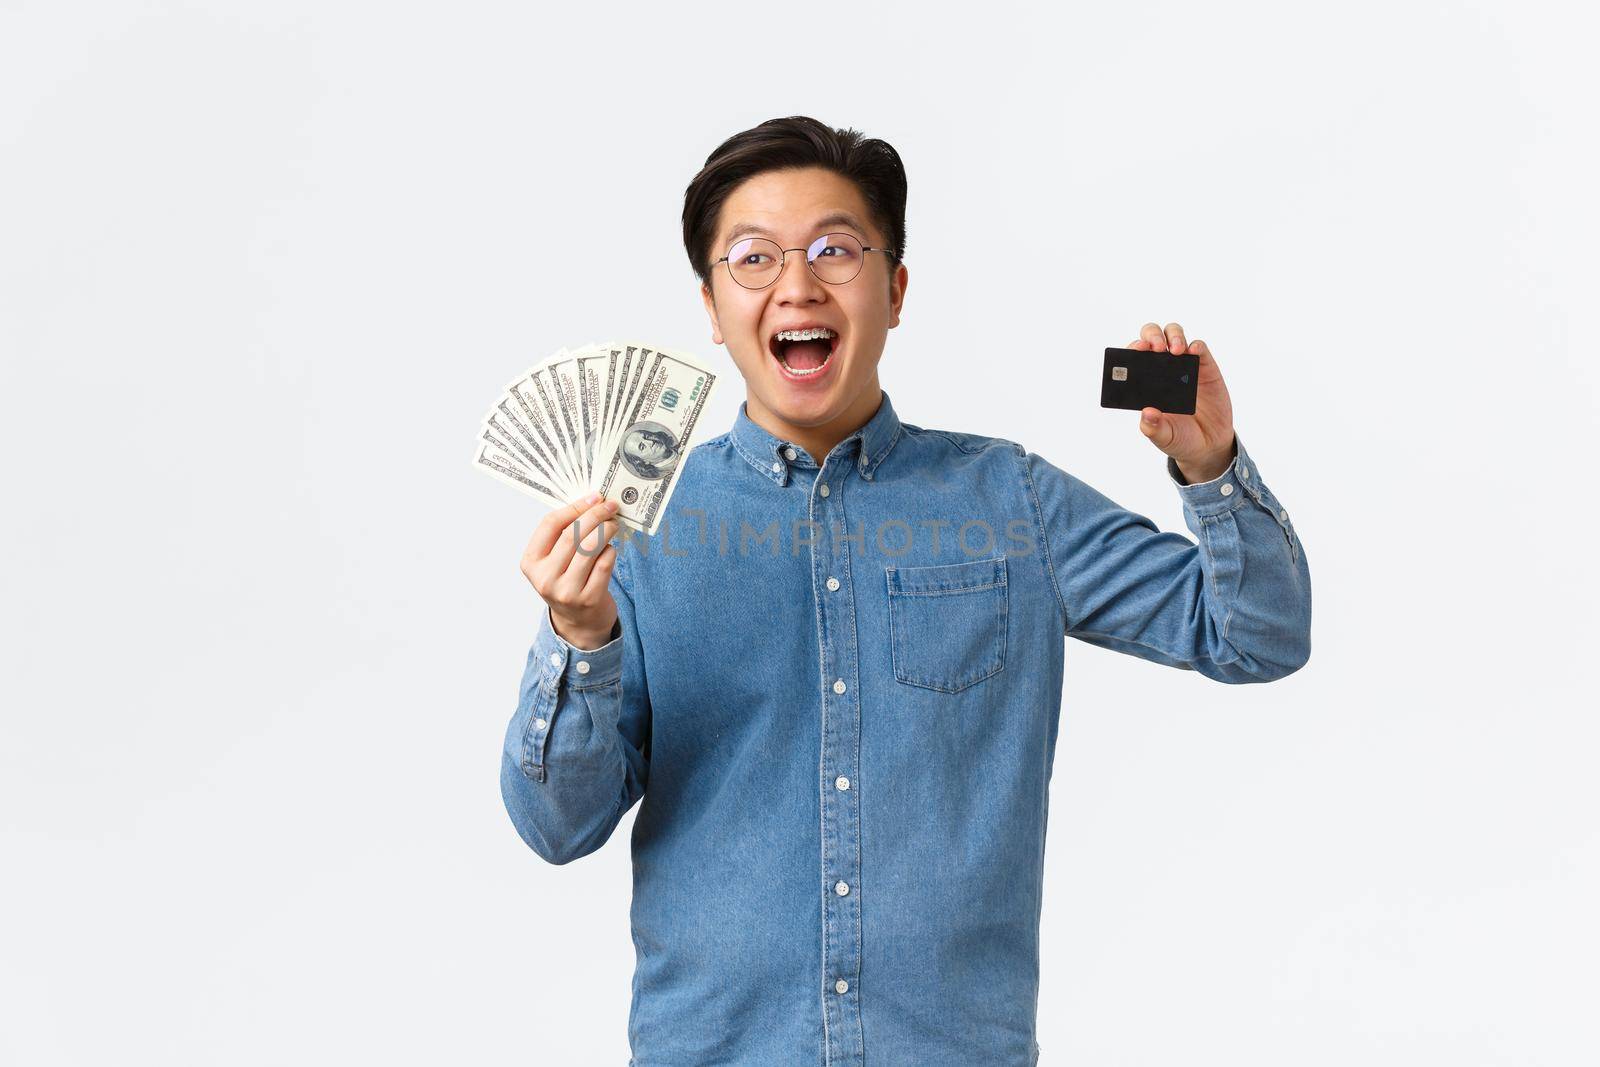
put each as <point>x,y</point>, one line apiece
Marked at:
<point>1233,605</point>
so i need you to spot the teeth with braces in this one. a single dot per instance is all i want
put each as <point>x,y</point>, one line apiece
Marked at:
<point>815,333</point>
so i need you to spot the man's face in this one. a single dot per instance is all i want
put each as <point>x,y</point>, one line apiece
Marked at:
<point>795,207</point>
<point>646,448</point>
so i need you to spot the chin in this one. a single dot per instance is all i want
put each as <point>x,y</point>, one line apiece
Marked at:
<point>808,408</point>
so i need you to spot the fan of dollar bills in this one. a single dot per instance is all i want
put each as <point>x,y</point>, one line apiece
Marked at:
<point>614,419</point>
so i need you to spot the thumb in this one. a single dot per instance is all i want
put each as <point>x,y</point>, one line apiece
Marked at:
<point>1157,427</point>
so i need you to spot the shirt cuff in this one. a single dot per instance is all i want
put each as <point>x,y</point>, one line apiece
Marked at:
<point>580,668</point>
<point>1222,493</point>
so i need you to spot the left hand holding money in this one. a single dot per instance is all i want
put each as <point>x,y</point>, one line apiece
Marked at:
<point>1201,444</point>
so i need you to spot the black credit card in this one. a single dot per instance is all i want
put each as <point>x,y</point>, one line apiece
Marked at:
<point>1134,379</point>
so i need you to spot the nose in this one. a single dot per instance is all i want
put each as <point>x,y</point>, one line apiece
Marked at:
<point>796,284</point>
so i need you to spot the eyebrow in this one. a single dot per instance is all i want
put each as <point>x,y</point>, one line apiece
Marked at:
<point>838,218</point>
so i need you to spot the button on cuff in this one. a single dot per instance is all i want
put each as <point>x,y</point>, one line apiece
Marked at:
<point>577,666</point>
<point>1220,493</point>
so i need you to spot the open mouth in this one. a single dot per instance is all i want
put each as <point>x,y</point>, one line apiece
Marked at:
<point>803,353</point>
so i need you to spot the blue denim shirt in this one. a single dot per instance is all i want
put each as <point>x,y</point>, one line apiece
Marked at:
<point>837,689</point>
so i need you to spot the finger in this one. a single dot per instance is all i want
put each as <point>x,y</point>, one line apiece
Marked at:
<point>600,574</point>
<point>566,546</point>
<point>571,582</point>
<point>550,527</point>
<point>1175,339</point>
<point>582,540</point>
<point>1151,332</point>
<point>1140,345</point>
<point>1200,349</point>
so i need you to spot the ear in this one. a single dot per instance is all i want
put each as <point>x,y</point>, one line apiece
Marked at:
<point>711,312</point>
<point>897,294</point>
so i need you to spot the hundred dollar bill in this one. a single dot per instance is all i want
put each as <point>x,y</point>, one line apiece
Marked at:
<point>631,361</point>
<point>618,418</point>
<point>490,459</point>
<point>555,399</point>
<point>562,378</point>
<point>653,436</point>
<point>505,426</point>
<point>532,398</point>
<point>597,383</point>
<point>518,453</point>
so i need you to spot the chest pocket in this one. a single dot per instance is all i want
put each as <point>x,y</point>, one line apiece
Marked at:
<point>947,623</point>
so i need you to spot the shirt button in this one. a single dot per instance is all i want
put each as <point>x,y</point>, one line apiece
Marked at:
<point>841,782</point>
<point>788,453</point>
<point>555,659</point>
<point>539,724</point>
<point>838,685</point>
<point>776,467</point>
<point>823,489</point>
<point>583,666</point>
<point>833,584</point>
<point>841,888</point>
<point>841,986</point>
<point>867,475</point>
<point>1284,515</point>
<point>1244,472</point>
<point>1227,487</point>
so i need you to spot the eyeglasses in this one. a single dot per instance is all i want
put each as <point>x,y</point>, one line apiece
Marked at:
<point>835,258</point>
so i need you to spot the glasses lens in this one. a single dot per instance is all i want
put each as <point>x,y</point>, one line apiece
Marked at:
<point>754,262</point>
<point>836,257</point>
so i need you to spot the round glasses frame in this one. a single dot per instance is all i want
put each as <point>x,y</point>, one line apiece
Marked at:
<point>811,259</point>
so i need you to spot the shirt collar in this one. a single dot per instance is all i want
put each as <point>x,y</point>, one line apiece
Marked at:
<point>770,454</point>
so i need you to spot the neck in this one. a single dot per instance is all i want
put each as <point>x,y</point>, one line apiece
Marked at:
<point>819,440</point>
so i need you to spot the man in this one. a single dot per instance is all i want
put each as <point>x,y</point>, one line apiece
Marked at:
<point>835,681</point>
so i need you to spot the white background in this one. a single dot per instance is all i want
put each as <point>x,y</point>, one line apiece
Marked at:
<point>263,266</point>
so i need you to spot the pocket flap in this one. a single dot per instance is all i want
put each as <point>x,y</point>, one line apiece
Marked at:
<point>947,577</point>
